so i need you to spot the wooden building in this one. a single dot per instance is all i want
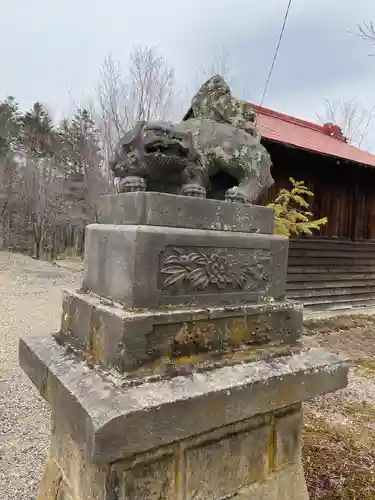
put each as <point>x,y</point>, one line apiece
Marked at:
<point>334,269</point>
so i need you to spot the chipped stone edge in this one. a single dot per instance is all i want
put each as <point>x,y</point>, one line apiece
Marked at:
<point>177,313</point>
<point>169,210</point>
<point>110,423</point>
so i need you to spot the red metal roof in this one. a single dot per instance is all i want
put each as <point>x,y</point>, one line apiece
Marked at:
<point>286,129</point>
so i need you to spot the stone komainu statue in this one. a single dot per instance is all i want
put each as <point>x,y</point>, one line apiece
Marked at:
<point>221,139</point>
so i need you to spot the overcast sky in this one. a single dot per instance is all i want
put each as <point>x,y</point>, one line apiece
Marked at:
<point>53,50</point>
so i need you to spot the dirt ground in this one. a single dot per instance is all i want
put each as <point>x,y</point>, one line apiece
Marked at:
<point>339,440</point>
<point>339,454</point>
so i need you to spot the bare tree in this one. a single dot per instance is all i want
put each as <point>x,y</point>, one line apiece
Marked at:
<point>354,119</point>
<point>142,90</point>
<point>220,65</point>
<point>42,196</point>
<point>367,32</point>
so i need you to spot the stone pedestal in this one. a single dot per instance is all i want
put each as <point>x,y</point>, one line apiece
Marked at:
<point>177,372</point>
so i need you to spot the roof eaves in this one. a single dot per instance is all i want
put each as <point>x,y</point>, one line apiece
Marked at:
<point>287,118</point>
<point>330,155</point>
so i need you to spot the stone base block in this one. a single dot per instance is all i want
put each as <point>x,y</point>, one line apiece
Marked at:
<point>150,266</point>
<point>110,421</point>
<point>108,335</point>
<point>256,458</point>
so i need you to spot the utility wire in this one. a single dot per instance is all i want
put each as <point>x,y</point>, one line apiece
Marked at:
<point>276,51</point>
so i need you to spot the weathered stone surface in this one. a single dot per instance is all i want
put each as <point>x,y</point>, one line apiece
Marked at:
<point>92,327</point>
<point>54,485</point>
<point>110,335</point>
<point>150,266</point>
<point>230,460</point>
<point>236,459</point>
<point>111,422</point>
<point>76,315</point>
<point>64,492</point>
<point>220,468</point>
<point>288,484</point>
<point>156,209</point>
<point>288,428</point>
<point>152,480</point>
<point>51,481</point>
<point>86,479</point>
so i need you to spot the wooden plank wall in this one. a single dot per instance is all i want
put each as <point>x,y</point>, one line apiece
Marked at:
<point>344,192</point>
<point>328,274</point>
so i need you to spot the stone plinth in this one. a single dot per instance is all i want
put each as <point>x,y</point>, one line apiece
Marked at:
<point>167,249</point>
<point>159,209</point>
<point>185,390</point>
<point>150,266</point>
<point>110,335</point>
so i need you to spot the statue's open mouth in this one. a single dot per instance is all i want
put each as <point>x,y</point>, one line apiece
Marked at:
<point>166,148</point>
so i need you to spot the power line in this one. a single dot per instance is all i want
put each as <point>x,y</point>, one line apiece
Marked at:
<point>276,51</point>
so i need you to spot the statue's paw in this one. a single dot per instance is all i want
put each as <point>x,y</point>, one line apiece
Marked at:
<point>234,195</point>
<point>194,190</point>
<point>132,184</point>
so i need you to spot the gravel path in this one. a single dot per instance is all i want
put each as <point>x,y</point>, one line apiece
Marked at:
<point>30,301</point>
<point>351,337</point>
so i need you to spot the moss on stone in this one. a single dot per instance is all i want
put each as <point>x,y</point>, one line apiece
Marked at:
<point>365,367</point>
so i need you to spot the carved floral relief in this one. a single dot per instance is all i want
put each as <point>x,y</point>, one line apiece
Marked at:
<point>222,268</point>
